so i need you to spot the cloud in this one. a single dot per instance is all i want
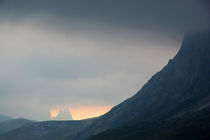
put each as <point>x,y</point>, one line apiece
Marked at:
<point>50,68</point>
<point>84,53</point>
<point>140,14</point>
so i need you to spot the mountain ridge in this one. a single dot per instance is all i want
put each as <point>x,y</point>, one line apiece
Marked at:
<point>13,124</point>
<point>171,71</point>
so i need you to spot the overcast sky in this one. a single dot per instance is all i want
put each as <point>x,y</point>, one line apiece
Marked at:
<point>86,53</point>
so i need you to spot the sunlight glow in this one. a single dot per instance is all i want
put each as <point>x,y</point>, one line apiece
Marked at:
<point>54,112</point>
<point>79,113</point>
<point>88,112</point>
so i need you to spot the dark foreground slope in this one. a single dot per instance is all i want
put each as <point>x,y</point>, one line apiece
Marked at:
<point>191,126</point>
<point>182,86</point>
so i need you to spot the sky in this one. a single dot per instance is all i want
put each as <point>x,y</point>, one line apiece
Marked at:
<point>86,55</point>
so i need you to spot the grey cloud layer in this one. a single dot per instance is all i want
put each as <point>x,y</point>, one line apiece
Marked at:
<point>85,52</point>
<point>151,14</point>
<point>50,68</point>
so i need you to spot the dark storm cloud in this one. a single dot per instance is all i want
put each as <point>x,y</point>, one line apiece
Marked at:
<point>150,14</point>
<point>206,3</point>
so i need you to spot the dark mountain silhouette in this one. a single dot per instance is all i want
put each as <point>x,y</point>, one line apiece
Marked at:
<point>182,86</point>
<point>4,118</point>
<point>193,125</point>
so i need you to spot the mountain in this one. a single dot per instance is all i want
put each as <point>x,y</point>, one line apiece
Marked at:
<point>12,124</point>
<point>4,118</point>
<point>48,130</point>
<point>181,87</point>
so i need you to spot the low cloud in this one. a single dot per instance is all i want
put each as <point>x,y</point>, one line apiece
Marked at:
<point>50,69</point>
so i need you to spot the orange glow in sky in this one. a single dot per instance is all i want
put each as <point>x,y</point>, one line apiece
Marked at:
<point>88,112</point>
<point>80,113</point>
<point>54,112</point>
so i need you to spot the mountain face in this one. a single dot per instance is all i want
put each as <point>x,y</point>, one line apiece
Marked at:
<point>182,86</point>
